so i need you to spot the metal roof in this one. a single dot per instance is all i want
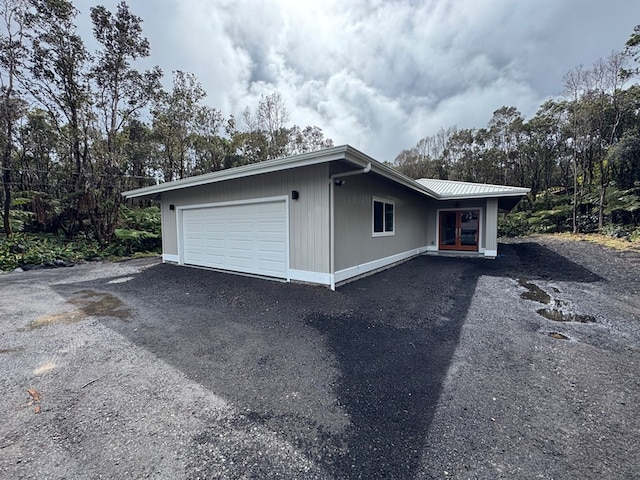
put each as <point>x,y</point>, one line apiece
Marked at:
<point>446,189</point>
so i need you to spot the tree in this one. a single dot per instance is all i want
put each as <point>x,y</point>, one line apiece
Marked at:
<point>505,135</point>
<point>265,136</point>
<point>429,158</point>
<point>121,92</point>
<point>175,122</point>
<point>574,85</point>
<point>12,54</point>
<point>59,81</point>
<point>211,150</point>
<point>602,99</point>
<point>272,117</point>
<point>543,149</point>
<point>632,52</point>
<point>308,139</point>
<point>138,151</point>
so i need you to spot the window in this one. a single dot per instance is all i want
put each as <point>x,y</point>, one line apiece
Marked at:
<point>383,217</point>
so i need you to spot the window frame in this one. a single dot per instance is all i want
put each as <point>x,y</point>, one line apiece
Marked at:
<point>384,232</point>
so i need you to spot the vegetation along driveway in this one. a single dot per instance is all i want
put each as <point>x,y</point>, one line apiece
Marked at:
<point>522,367</point>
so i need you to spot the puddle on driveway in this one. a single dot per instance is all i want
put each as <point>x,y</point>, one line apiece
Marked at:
<point>90,303</point>
<point>560,316</point>
<point>534,292</point>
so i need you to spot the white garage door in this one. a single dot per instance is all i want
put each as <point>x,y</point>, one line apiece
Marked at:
<point>248,237</point>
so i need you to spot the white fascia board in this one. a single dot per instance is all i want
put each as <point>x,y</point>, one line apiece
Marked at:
<point>344,152</point>
<point>520,193</point>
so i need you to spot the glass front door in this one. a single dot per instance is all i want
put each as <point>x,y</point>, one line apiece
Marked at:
<point>459,230</point>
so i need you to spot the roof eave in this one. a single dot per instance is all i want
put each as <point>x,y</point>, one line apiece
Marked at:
<point>305,159</point>
<point>472,196</point>
<point>343,152</point>
<point>362,159</point>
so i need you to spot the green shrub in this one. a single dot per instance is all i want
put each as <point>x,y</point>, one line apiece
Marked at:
<point>513,224</point>
<point>142,219</point>
<point>554,220</point>
<point>22,250</point>
<point>129,242</point>
<point>624,232</point>
<point>139,231</point>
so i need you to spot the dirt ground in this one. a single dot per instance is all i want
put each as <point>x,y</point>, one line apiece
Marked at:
<point>522,367</point>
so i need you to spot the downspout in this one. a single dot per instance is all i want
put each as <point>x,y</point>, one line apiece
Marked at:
<point>332,218</point>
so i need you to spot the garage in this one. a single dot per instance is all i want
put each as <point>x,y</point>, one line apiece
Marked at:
<point>248,237</point>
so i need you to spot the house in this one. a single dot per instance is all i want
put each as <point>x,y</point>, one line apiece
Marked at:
<point>324,217</point>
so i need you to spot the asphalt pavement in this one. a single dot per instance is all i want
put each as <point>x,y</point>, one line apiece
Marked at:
<point>521,367</point>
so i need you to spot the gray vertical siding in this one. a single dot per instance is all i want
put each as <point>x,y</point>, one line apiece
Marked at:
<point>308,216</point>
<point>491,224</point>
<point>354,242</point>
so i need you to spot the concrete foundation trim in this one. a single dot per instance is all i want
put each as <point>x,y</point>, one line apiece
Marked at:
<point>309,277</point>
<point>357,270</point>
<point>170,258</point>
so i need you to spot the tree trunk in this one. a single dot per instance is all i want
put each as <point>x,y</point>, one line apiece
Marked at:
<point>575,195</point>
<point>6,180</point>
<point>7,167</point>
<point>603,192</point>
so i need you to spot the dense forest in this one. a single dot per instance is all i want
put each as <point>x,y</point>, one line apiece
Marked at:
<point>579,155</point>
<point>77,128</point>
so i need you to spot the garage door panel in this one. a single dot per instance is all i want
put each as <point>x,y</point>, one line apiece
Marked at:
<point>274,266</point>
<point>241,263</point>
<point>249,238</point>
<point>240,211</point>
<point>213,260</point>
<point>240,227</point>
<point>237,245</point>
<point>271,227</point>
<point>276,208</point>
<point>211,227</point>
<point>215,244</point>
<point>270,247</point>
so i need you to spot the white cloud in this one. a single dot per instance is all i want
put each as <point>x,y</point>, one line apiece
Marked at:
<point>381,74</point>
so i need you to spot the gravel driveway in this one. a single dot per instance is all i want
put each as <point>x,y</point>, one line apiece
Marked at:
<point>438,368</point>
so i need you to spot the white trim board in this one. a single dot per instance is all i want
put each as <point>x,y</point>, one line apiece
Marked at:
<point>357,270</point>
<point>170,257</point>
<point>318,278</point>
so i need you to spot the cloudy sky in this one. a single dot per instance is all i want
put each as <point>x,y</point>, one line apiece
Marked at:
<point>381,74</point>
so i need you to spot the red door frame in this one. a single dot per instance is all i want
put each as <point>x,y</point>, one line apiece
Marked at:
<point>458,245</point>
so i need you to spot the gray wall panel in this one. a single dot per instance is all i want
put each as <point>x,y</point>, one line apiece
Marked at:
<point>308,216</point>
<point>354,240</point>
